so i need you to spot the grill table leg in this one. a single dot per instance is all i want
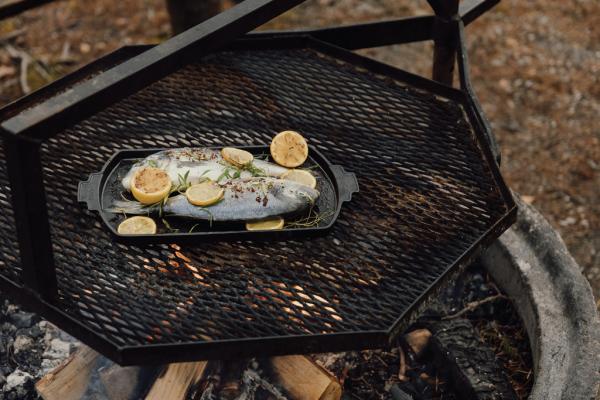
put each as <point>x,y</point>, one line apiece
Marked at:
<point>444,39</point>
<point>31,216</point>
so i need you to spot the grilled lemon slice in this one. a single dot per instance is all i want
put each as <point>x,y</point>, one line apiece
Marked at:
<point>137,226</point>
<point>289,149</point>
<point>150,185</point>
<point>237,157</point>
<point>265,224</point>
<point>301,176</point>
<point>204,194</point>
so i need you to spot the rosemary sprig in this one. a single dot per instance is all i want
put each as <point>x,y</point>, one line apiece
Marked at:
<point>184,184</point>
<point>312,220</point>
<point>225,174</point>
<point>153,163</point>
<point>262,157</point>
<point>168,226</point>
<point>210,215</point>
<point>255,171</point>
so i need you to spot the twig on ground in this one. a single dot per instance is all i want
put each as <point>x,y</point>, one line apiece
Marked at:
<point>402,371</point>
<point>12,35</point>
<point>25,60</point>
<point>473,305</point>
<point>8,83</point>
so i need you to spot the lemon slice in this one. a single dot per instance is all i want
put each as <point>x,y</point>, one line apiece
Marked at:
<point>137,226</point>
<point>204,194</point>
<point>150,185</point>
<point>301,176</point>
<point>289,149</point>
<point>237,157</point>
<point>265,224</point>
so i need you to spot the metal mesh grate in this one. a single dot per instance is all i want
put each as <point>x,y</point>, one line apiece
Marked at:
<point>9,247</point>
<point>426,196</point>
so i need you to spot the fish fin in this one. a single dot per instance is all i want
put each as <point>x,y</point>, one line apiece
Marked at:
<point>131,207</point>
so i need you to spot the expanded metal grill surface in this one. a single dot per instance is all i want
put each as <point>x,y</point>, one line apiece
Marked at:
<point>426,196</point>
<point>9,246</point>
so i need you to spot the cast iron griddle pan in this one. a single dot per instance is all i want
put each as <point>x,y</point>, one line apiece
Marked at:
<point>101,189</point>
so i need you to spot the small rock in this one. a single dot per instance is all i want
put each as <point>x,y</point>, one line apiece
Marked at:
<point>418,340</point>
<point>57,349</point>
<point>8,328</point>
<point>505,85</point>
<point>34,332</point>
<point>12,309</point>
<point>528,199</point>
<point>22,343</point>
<point>48,365</point>
<point>567,221</point>
<point>17,378</point>
<point>23,319</point>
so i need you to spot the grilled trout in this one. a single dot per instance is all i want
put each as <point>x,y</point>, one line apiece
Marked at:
<point>246,199</point>
<point>199,163</point>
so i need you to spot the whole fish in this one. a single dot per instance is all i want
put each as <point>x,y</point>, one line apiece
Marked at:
<point>243,200</point>
<point>198,163</point>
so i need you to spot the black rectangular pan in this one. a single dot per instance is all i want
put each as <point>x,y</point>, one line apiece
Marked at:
<point>101,189</point>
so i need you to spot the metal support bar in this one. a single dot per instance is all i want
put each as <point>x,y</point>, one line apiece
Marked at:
<point>362,36</point>
<point>85,99</point>
<point>444,38</point>
<point>465,85</point>
<point>10,8</point>
<point>470,10</point>
<point>31,216</point>
<point>383,33</point>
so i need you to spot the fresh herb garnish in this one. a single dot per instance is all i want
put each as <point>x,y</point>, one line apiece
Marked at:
<point>153,163</point>
<point>225,174</point>
<point>184,184</point>
<point>168,226</point>
<point>312,220</point>
<point>255,171</point>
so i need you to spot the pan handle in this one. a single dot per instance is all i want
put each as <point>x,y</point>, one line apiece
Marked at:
<point>89,191</point>
<point>346,181</point>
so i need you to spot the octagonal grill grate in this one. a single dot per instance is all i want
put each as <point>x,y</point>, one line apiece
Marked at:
<point>428,196</point>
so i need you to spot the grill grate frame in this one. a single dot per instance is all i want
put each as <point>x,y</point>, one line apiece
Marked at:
<point>150,304</point>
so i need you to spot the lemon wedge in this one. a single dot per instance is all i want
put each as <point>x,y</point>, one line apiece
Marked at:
<point>150,185</point>
<point>289,149</point>
<point>237,157</point>
<point>137,226</point>
<point>204,194</point>
<point>301,176</point>
<point>265,224</point>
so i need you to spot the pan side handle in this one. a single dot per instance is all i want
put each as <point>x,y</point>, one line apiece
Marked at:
<point>88,191</point>
<point>347,182</point>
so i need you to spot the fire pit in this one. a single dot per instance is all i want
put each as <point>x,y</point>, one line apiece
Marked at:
<point>431,195</point>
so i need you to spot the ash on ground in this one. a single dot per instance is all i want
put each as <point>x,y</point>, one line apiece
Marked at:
<point>29,349</point>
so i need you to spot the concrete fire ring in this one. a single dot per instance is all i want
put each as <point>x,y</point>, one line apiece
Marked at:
<point>534,268</point>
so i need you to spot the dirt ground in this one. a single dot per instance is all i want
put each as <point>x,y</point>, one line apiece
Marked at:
<point>536,72</point>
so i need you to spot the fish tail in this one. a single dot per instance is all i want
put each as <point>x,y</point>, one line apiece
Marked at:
<point>131,207</point>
